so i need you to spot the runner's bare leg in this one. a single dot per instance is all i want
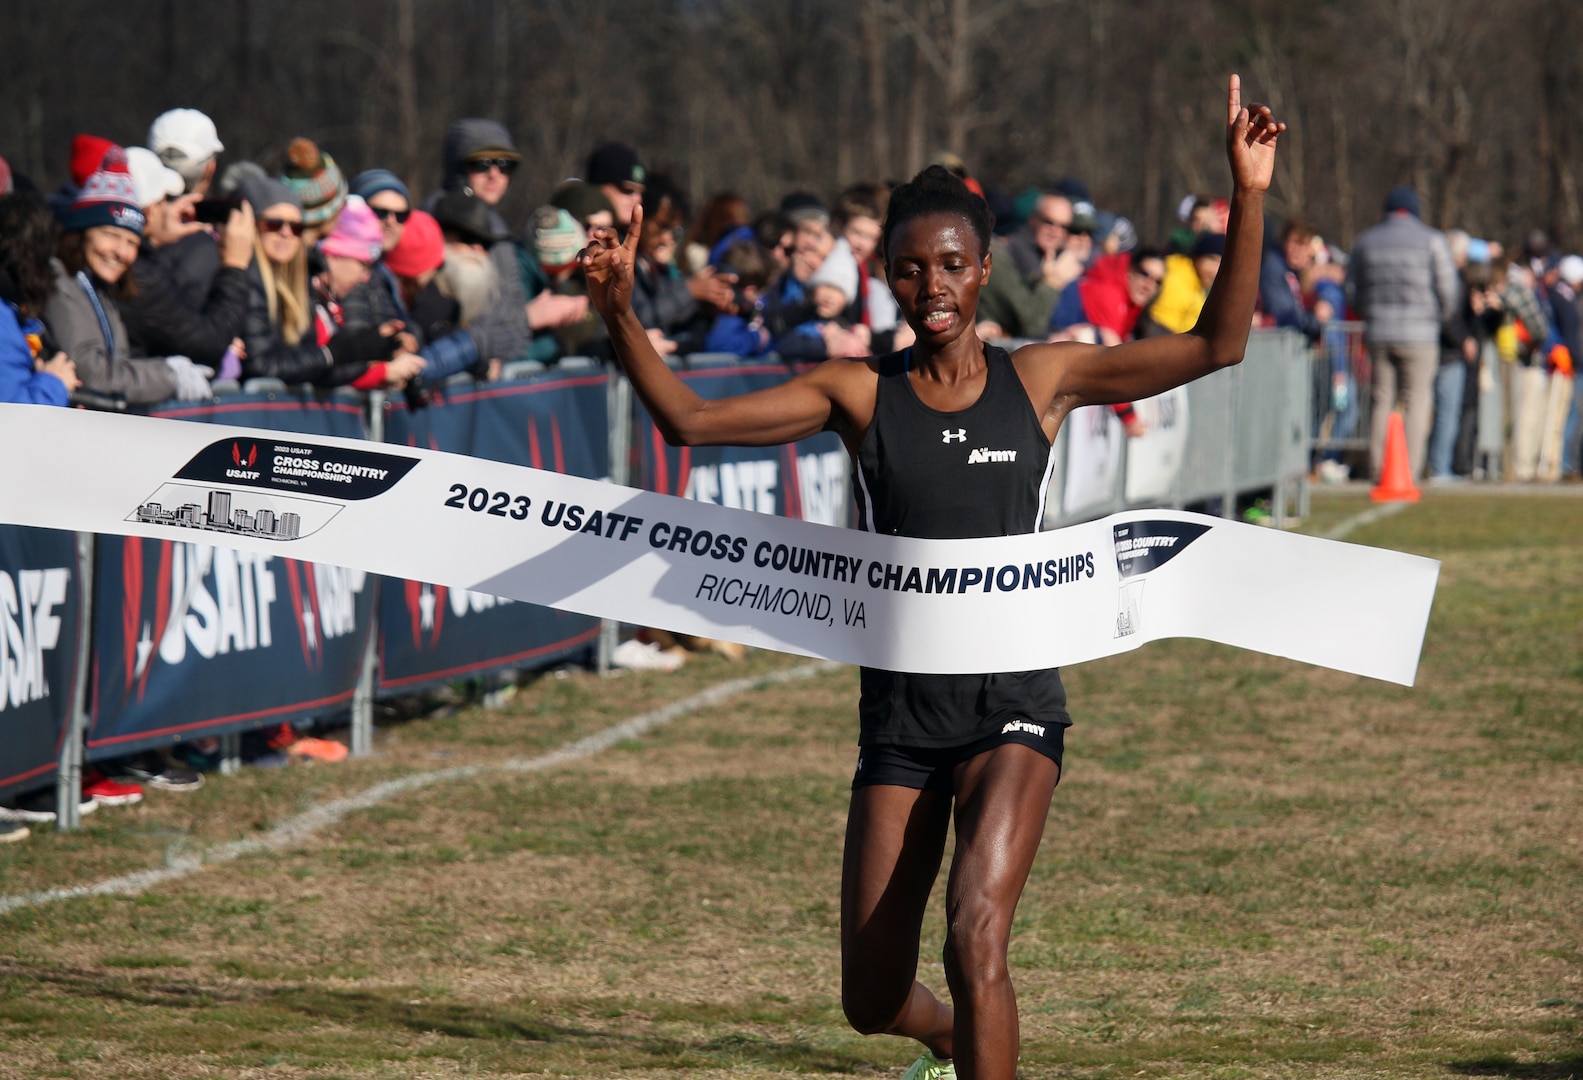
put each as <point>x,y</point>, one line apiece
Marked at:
<point>1002,799</point>
<point>895,838</point>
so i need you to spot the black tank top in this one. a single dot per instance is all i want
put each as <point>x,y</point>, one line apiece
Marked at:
<point>982,471</point>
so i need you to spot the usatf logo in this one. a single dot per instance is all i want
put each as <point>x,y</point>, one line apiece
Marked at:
<point>243,465</point>
<point>949,436</point>
<point>984,455</point>
<point>1023,725</point>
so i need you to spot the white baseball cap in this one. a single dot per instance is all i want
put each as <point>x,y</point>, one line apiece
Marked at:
<point>152,180</point>
<point>185,140</point>
<point>1572,270</point>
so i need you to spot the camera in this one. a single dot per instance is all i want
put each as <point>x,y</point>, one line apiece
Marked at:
<point>215,211</point>
<point>417,393</point>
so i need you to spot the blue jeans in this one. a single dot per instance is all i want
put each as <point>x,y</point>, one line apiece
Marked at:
<point>1569,438</point>
<point>1450,382</point>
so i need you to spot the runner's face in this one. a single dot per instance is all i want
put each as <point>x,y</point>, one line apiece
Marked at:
<point>936,268</point>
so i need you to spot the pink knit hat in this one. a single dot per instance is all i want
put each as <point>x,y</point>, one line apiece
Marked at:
<point>357,234</point>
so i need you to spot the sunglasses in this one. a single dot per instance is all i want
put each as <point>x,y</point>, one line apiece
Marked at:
<point>507,166</point>
<point>387,214</point>
<point>1040,219</point>
<point>280,225</point>
<point>1152,277</point>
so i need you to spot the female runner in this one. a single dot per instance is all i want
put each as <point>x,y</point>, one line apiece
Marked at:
<point>983,751</point>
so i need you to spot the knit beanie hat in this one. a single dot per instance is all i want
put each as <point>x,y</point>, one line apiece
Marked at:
<point>87,151</point>
<point>371,182</point>
<point>839,269</point>
<point>1402,197</point>
<point>107,198</point>
<point>555,237</point>
<point>262,192</point>
<point>313,175</point>
<point>800,206</point>
<point>582,200</point>
<point>422,247</point>
<point>5,177</point>
<point>356,234</point>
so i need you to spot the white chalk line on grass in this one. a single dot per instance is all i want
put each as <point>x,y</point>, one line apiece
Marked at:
<point>1364,518</point>
<point>315,819</point>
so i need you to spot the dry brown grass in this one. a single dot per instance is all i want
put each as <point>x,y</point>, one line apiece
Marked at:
<point>1251,869</point>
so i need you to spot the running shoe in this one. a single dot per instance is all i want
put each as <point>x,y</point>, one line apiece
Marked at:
<point>101,789</point>
<point>156,770</point>
<point>38,807</point>
<point>318,749</point>
<point>929,1067</point>
<point>12,831</point>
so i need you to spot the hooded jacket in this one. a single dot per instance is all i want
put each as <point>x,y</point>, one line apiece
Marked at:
<point>505,325</point>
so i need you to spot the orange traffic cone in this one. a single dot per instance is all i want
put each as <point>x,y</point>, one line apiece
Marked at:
<point>1396,475</point>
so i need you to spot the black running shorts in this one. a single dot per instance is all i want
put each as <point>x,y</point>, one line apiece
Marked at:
<point>930,768</point>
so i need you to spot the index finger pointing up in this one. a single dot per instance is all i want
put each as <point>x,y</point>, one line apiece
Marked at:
<point>1233,99</point>
<point>635,229</point>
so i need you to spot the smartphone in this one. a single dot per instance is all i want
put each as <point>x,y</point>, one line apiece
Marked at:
<point>215,211</point>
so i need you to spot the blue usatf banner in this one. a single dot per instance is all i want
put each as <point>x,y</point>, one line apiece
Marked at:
<point>430,633</point>
<point>40,609</point>
<point>807,480</point>
<point>194,639</point>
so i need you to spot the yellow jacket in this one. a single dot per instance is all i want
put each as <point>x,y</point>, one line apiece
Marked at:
<point>1181,296</point>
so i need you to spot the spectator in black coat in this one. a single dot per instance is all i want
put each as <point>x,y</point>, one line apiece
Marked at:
<point>159,320</point>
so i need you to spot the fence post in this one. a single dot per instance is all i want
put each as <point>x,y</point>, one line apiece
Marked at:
<point>362,732</point>
<point>618,421</point>
<point>68,778</point>
<point>363,696</point>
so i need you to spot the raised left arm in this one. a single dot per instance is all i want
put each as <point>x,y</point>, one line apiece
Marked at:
<point>1094,375</point>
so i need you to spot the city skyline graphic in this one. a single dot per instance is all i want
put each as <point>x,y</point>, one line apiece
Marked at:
<point>243,513</point>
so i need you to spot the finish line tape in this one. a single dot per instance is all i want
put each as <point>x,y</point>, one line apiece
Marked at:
<point>1009,603</point>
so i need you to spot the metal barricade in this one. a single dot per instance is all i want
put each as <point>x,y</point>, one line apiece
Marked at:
<point>1342,381</point>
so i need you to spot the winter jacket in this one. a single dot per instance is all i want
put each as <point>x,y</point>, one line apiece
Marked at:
<point>1182,295</point>
<point>104,366</point>
<point>191,263</point>
<point>269,356</point>
<point>660,299</point>
<point>1402,282</point>
<point>1280,295</point>
<point>19,383</point>
<point>160,321</point>
<point>378,300</point>
<point>1021,305</point>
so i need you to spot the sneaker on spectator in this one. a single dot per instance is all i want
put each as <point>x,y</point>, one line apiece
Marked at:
<point>645,656</point>
<point>12,831</point>
<point>38,807</point>
<point>157,770</point>
<point>101,789</point>
<point>318,749</point>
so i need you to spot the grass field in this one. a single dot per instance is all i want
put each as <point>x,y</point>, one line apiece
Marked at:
<point>1251,869</point>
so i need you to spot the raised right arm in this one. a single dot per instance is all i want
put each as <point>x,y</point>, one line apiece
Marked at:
<point>815,401</point>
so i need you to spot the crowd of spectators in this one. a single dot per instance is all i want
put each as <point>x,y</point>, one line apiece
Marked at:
<point>152,273</point>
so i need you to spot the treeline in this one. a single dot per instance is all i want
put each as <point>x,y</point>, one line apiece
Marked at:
<point>1479,105</point>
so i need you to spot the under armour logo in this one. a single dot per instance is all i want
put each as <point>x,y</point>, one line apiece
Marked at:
<point>949,436</point>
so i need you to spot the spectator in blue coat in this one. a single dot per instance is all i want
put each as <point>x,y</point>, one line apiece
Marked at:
<point>31,372</point>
